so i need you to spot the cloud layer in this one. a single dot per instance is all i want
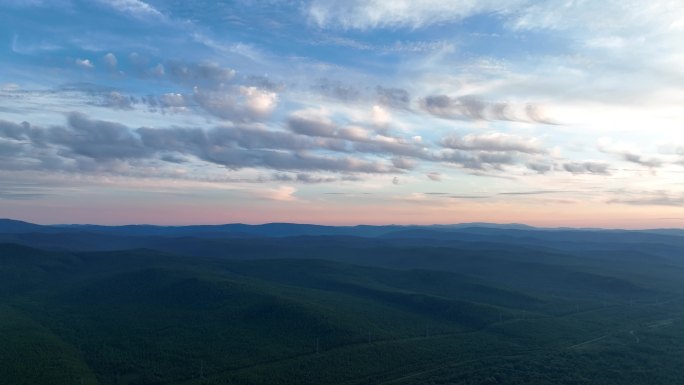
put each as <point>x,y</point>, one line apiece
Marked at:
<point>491,101</point>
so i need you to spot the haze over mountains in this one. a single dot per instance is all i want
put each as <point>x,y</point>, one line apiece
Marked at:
<point>295,229</point>
<point>212,239</point>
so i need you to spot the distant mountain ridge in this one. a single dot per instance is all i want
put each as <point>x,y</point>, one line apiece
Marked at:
<point>12,226</point>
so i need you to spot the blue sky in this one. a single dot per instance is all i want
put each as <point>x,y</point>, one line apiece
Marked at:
<point>555,113</point>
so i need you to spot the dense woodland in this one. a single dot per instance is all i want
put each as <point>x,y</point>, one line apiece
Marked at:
<point>287,304</point>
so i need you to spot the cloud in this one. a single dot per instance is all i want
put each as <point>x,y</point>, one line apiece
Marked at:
<point>337,90</point>
<point>117,101</point>
<point>279,160</point>
<point>312,123</point>
<point>172,100</point>
<point>10,130</point>
<point>84,63</point>
<point>97,139</point>
<point>624,151</point>
<point>472,108</point>
<point>540,167</point>
<point>304,178</point>
<point>360,14</point>
<point>135,8</point>
<point>283,193</point>
<point>237,104</point>
<point>652,199</point>
<point>598,168</point>
<point>207,74</point>
<point>478,160</point>
<point>158,70</point>
<point>640,159</point>
<point>264,83</point>
<point>434,176</point>
<point>537,192</point>
<point>259,102</point>
<point>492,151</point>
<point>10,87</point>
<point>110,60</point>
<point>12,194</point>
<point>403,163</point>
<point>317,124</point>
<point>494,142</point>
<point>468,197</point>
<point>9,148</point>
<point>94,144</point>
<point>381,117</point>
<point>393,97</point>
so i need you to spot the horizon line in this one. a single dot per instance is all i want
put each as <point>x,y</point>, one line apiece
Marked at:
<point>475,224</point>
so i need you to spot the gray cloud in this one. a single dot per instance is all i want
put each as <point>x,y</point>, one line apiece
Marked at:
<point>479,160</point>
<point>659,199</point>
<point>98,139</point>
<point>312,126</point>
<point>10,148</point>
<point>494,142</point>
<point>310,144</point>
<point>305,178</point>
<point>279,160</point>
<point>117,101</point>
<point>173,100</point>
<point>537,192</point>
<point>453,108</point>
<point>536,114</point>
<point>357,139</point>
<point>203,74</point>
<point>22,131</point>
<point>434,176</point>
<point>14,190</point>
<point>264,83</point>
<point>540,167</point>
<point>468,197</point>
<point>640,159</point>
<point>587,168</point>
<point>403,162</point>
<point>393,97</point>
<point>95,145</point>
<point>337,90</point>
<point>194,74</point>
<point>630,156</point>
<point>236,104</point>
<point>472,108</point>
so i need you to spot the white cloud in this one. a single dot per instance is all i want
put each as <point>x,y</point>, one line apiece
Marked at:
<point>259,102</point>
<point>364,14</point>
<point>135,8</point>
<point>84,63</point>
<point>381,117</point>
<point>283,193</point>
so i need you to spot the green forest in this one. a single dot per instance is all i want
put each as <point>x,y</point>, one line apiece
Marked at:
<point>294,311</point>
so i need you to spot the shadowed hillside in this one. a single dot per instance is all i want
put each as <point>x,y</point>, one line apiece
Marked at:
<point>499,307</point>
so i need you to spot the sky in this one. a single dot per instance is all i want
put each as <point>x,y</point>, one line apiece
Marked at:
<point>545,112</point>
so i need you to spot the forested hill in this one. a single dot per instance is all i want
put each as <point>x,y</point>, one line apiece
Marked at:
<point>299,304</point>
